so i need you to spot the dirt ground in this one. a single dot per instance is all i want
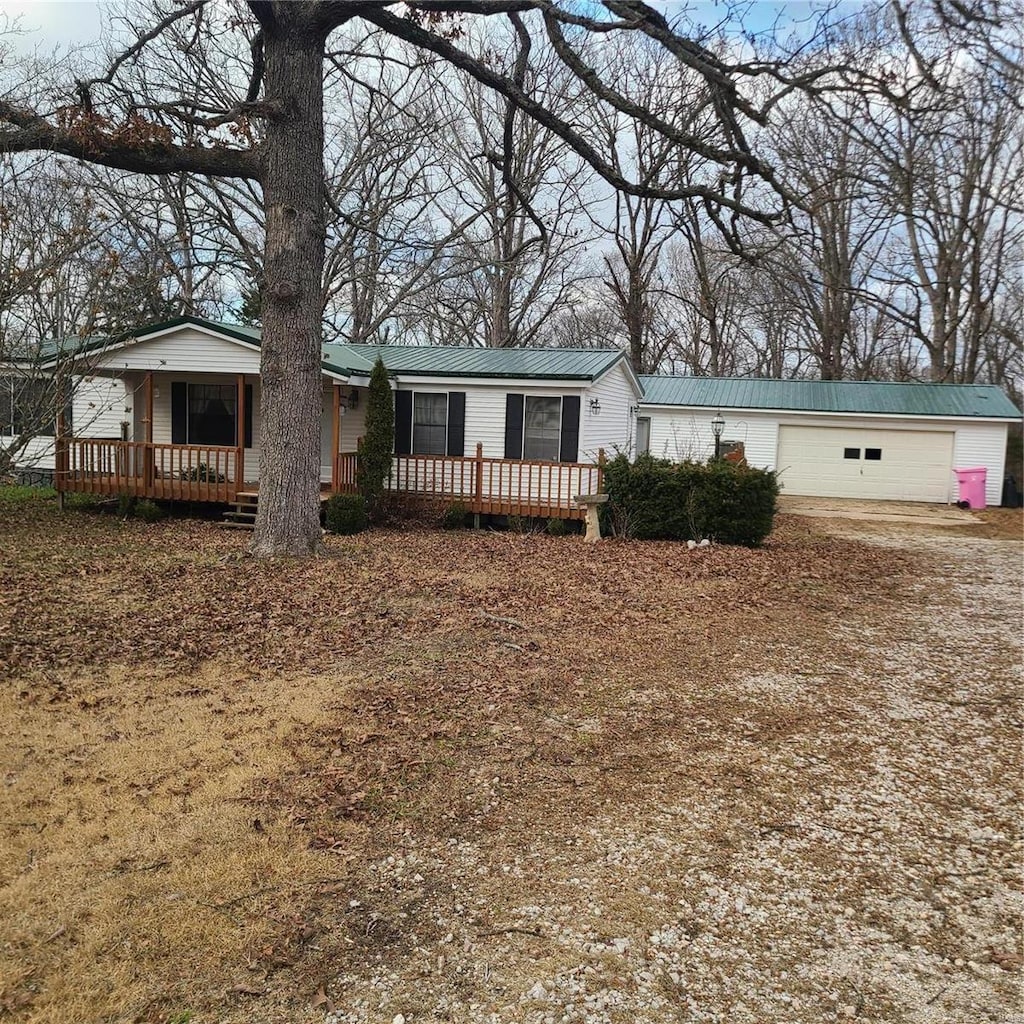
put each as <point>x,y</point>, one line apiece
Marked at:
<point>481,777</point>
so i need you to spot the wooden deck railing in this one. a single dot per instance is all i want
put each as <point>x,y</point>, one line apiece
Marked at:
<point>172,472</point>
<point>485,485</point>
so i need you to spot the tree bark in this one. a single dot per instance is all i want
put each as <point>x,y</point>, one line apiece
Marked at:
<point>288,516</point>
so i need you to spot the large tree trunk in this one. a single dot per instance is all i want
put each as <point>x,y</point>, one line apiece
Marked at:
<point>288,520</point>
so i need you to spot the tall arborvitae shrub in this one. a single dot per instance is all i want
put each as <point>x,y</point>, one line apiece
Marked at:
<point>652,499</point>
<point>378,440</point>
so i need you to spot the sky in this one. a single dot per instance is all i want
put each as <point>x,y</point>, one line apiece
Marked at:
<point>58,24</point>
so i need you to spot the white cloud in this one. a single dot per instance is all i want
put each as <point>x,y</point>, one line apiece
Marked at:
<point>46,26</point>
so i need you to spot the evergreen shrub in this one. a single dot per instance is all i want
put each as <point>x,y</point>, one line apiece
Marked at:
<point>378,442</point>
<point>346,514</point>
<point>653,499</point>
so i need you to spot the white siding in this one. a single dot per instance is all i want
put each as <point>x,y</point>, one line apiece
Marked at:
<point>613,428</point>
<point>352,425</point>
<point>37,453</point>
<point>99,406</point>
<point>162,412</point>
<point>982,444</point>
<point>681,433</point>
<point>187,350</point>
<point>485,408</point>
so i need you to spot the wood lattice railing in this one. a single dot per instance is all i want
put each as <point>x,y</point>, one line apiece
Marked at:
<point>485,485</point>
<point>172,472</point>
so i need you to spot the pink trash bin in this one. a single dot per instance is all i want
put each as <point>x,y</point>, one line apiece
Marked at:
<point>972,486</point>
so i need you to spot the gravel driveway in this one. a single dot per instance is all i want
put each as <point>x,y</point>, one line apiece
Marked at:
<point>841,843</point>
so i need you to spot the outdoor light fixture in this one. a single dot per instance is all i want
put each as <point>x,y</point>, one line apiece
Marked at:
<point>595,407</point>
<point>353,399</point>
<point>717,426</point>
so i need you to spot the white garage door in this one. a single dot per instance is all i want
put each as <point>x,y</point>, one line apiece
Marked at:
<point>847,462</point>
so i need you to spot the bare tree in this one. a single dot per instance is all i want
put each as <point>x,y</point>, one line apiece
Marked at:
<point>183,97</point>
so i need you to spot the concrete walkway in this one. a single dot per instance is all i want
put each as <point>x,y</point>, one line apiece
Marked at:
<point>876,511</point>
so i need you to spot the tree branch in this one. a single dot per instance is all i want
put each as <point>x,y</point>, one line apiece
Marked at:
<point>506,87</point>
<point>137,145</point>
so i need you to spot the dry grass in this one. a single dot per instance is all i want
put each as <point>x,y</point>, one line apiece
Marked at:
<point>206,757</point>
<point>129,846</point>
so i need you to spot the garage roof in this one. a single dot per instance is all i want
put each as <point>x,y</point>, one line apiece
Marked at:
<point>871,397</point>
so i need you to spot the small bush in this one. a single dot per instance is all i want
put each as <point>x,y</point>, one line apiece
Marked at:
<point>203,473</point>
<point>126,505</point>
<point>346,514</point>
<point>726,502</point>
<point>83,502</point>
<point>149,511</point>
<point>453,516</point>
<point>521,524</point>
<point>557,527</point>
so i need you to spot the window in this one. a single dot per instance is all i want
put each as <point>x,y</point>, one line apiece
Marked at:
<point>211,414</point>
<point>643,435</point>
<point>27,406</point>
<point>851,453</point>
<point>873,454</point>
<point>429,424</point>
<point>208,413</point>
<point>542,428</point>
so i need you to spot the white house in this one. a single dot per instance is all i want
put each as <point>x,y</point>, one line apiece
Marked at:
<point>850,439</point>
<point>495,428</point>
<point>173,412</point>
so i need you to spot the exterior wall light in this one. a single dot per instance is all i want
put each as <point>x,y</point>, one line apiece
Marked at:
<point>717,426</point>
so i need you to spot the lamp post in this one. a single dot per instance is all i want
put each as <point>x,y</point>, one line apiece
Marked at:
<point>717,426</point>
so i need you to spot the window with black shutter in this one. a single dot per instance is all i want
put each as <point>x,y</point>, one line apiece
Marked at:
<point>542,428</point>
<point>429,424</point>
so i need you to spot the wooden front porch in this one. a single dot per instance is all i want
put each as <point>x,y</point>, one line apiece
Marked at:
<point>485,486</point>
<point>208,473</point>
<point>141,469</point>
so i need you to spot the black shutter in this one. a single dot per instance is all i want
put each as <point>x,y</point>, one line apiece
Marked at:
<point>456,422</point>
<point>179,412</point>
<point>513,426</point>
<point>569,449</point>
<point>403,422</point>
<point>248,415</point>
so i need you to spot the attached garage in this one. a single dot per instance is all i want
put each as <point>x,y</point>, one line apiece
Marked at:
<point>838,439</point>
<point>857,462</point>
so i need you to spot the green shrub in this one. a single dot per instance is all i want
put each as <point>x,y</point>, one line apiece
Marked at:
<point>557,527</point>
<point>203,473</point>
<point>346,514</point>
<point>378,443</point>
<point>83,502</point>
<point>652,499</point>
<point>453,516</point>
<point>149,511</point>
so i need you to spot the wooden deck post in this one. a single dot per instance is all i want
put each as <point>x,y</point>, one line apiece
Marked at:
<point>600,471</point>
<point>240,432</point>
<point>478,489</point>
<point>148,462</point>
<point>335,438</point>
<point>61,447</point>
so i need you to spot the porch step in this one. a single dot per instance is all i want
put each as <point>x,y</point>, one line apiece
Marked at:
<point>243,515</point>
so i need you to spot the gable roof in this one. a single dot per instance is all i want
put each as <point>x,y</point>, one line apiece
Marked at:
<point>880,398</point>
<point>404,360</point>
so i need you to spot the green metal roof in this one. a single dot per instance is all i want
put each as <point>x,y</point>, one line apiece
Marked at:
<point>452,361</point>
<point>404,360</point>
<point>869,397</point>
